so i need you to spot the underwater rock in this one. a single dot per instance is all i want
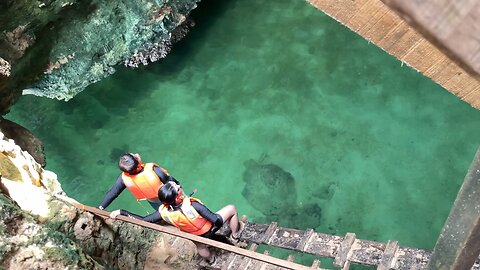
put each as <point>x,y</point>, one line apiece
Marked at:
<point>56,48</point>
<point>269,188</point>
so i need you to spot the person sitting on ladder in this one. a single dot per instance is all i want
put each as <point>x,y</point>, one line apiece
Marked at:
<point>143,180</point>
<point>192,216</point>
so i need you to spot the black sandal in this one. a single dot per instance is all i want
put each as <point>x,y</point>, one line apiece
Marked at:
<point>214,259</point>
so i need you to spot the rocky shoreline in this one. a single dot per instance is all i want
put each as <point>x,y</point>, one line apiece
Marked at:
<point>38,230</point>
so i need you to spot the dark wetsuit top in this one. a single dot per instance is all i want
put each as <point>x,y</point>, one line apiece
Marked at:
<point>120,186</point>
<point>202,210</point>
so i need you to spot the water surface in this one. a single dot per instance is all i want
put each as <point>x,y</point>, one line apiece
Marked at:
<point>280,110</point>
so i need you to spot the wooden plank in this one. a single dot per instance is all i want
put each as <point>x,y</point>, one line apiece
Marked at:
<point>307,236</point>
<point>388,256</point>
<point>324,245</point>
<point>342,254</point>
<point>253,247</point>
<point>453,26</point>
<point>366,252</point>
<point>360,251</point>
<point>458,246</point>
<point>269,233</point>
<point>375,21</point>
<point>228,262</point>
<point>261,265</point>
<point>174,231</point>
<point>286,238</point>
<point>346,266</point>
<point>247,262</point>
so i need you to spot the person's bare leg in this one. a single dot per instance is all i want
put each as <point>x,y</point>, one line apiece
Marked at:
<point>204,252</point>
<point>229,214</point>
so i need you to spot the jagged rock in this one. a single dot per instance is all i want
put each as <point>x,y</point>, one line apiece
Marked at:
<point>38,230</point>
<point>56,48</point>
<point>5,67</point>
<point>25,139</point>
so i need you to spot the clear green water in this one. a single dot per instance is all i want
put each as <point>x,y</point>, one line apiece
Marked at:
<point>373,147</point>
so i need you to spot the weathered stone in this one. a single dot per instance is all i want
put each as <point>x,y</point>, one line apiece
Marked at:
<point>25,139</point>
<point>48,233</point>
<point>56,48</point>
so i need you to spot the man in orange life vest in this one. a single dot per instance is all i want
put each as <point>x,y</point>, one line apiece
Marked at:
<point>190,215</point>
<point>143,180</point>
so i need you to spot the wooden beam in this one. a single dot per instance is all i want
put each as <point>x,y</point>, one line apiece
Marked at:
<point>458,246</point>
<point>452,26</point>
<point>380,25</point>
<point>176,232</point>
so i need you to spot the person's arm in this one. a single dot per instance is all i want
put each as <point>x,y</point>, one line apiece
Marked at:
<point>164,176</point>
<point>153,218</point>
<point>113,193</point>
<point>216,219</point>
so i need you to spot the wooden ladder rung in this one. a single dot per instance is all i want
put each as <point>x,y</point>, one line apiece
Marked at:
<point>291,258</point>
<point>265,265</point>
<point>269,233</point>
<point>341,260</point>
<point>316,264</point>
<point>231,258</point>
<point>248,261</point>
<point>388,256</point>
<point>306,238</point>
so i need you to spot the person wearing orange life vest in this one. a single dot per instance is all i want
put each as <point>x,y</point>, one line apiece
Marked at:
<point>143,180</point>
<point>192,216</point>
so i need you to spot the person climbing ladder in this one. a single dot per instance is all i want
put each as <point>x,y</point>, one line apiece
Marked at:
<point>192,216</point>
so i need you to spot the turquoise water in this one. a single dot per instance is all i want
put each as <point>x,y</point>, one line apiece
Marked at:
<point>280,110</point>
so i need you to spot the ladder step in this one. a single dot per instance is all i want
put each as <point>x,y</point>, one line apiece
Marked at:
<point>248,262</point>
<point>264,265</point>
<point>388,256</point>
<point>342,254</point>
<point>307,236</point>
<point>291,258</point>
<point>229,261</point>
<point>269,233</point>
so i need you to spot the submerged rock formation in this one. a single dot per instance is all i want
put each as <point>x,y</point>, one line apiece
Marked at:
<point>38,230</point>
<point>271,190</point>
<point>56,48</point>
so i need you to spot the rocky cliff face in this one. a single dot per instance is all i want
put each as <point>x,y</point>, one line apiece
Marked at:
<point>55,48</point>
<point>40,230</point>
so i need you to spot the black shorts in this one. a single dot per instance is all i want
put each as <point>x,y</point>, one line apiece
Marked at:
<point>209,234</point>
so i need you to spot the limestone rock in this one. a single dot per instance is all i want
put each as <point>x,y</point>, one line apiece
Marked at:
<point>39,230</point>
<point>56,48</point>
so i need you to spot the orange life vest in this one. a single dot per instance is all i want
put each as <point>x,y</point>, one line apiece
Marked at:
<point>144,185</point>
<point>186,218</point>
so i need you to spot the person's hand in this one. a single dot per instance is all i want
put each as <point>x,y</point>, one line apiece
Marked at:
<point>114,214</point>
